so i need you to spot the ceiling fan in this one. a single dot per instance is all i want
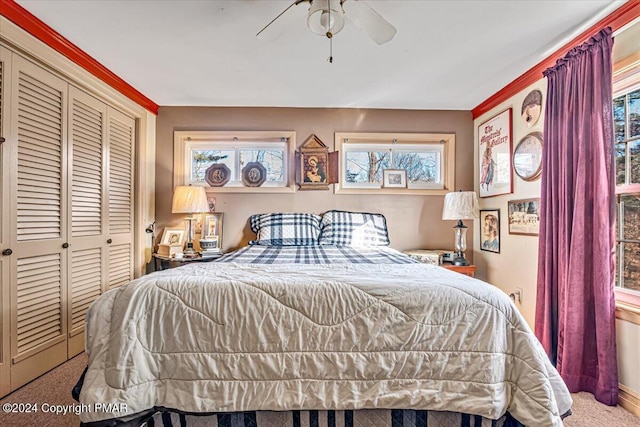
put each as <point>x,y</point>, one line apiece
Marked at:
<point>327,18</point>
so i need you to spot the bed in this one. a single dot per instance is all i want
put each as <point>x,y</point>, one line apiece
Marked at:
<point>301,329</point>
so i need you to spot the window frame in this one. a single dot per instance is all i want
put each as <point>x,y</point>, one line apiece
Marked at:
<point>185,141</point>
<point>626,79</point>
<point>443,142</point>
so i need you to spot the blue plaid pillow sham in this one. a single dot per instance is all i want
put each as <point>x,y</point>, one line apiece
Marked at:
<point>356,229</point>
<point>285,229</point>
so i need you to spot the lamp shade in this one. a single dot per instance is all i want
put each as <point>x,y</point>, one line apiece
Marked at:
<point>189,199</point>
<point>321,21</point>
<point>460,205</point>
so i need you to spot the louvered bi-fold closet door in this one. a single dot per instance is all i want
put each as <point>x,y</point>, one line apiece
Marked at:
<point>120,193</point>
<point>38,220</point>
<point>5,244</point>
<point>88,209</point>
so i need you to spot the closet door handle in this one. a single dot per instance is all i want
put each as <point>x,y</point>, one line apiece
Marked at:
<point>7,252</point>
<point>2,140</point>
<point>109,241</point>
<point>65,245</point>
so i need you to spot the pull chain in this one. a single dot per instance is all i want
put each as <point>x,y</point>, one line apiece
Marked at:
<point>331,50</point>
<point>330,35</point>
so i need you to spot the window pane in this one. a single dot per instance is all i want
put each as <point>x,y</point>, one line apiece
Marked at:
<point>631,216</point>
<point>272,160</point>
<point>631,266</point>
<point>619,117</point>
<point>634,160</point>
<point>421,167</point>
<point>621,156</point>
<point>634,114</point>
<point>365,166</point>
<point>202,159</point>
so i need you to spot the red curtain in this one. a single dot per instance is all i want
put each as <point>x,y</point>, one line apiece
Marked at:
<point>575,312</point>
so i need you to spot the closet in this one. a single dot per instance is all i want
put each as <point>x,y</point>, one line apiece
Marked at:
<point>67,214</point>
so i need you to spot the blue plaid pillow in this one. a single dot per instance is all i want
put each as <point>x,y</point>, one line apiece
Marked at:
<point>285,229</point>
<point>354,229</point>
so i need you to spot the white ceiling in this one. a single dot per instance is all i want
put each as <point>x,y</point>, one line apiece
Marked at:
<point>446,54</point>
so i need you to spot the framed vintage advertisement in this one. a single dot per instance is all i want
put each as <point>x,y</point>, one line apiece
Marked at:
<point>524,217</point>
<point>173,236</point>
<point>490,230</point>
<point>394,178</point>
<point>212,228</point>
<point>494,155</point>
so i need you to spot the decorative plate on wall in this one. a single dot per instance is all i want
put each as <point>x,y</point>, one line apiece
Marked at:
<point>217,175</point>
<point>254,174</point>
<point>531,107</point>
<point>527,157</point>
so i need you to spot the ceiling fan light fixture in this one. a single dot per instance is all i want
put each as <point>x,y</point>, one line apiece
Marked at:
<point>325,16</point>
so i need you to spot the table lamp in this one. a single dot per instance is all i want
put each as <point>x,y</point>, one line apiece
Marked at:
<point>190,200</point>
<point>458,206</point>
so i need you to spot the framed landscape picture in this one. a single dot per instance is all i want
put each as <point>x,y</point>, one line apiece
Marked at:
<point>494,155</point>
<point>524,217</point>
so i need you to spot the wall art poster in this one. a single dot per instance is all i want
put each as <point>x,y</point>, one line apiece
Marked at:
<point>494,155</point>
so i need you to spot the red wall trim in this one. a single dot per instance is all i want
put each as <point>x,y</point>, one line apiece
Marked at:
<point>32,25</point>
<point>616,20</point>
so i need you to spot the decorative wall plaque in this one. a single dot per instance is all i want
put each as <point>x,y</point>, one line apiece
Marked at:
<point>217,175</point>
<point>254,174</point>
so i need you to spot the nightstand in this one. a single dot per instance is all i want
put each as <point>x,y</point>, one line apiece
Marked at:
<point>467,270</point>
<point>164,262</point>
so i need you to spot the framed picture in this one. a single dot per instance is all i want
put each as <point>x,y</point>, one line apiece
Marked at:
<point>212,227</point>
<point>173,236</point>
<point>524,217</point>
<point>494,155</point>
<point>313,165</point>
<point>490,230</point>
<point>394,178</point>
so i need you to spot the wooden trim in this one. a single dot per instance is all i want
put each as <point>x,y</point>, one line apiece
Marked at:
<point>626,310</point>
<point>41,31</point>
<point>616,20</point>
<point>628,189</point>
<point>629,399</point>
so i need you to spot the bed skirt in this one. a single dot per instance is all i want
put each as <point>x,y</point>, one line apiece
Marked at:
<point>360,418</point>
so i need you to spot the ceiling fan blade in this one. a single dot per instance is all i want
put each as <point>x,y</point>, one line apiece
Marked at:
<point>279,24</point>
<point>368,20</point>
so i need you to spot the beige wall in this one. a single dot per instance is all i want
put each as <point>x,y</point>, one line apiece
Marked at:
<point>517,263</point>
<point>413,221</point>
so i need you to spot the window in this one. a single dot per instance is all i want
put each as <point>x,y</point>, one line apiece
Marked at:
<point>626,117</point>
<point>427,158</point>
<point>195,151</point>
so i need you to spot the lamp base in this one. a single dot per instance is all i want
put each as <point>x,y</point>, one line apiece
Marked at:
<point>189,252</point>
<point>460,259</point>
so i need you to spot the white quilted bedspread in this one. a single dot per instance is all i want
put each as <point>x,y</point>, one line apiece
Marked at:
<point>233,337</point>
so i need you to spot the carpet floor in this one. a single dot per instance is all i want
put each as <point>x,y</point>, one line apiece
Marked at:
<point>54,388</point>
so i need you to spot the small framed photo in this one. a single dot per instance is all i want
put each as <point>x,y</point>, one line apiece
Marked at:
<point>490,230</point>
<point>524,217</point>
<point>212,228</point>
<point>394,178</point>
<point>173,236</point>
